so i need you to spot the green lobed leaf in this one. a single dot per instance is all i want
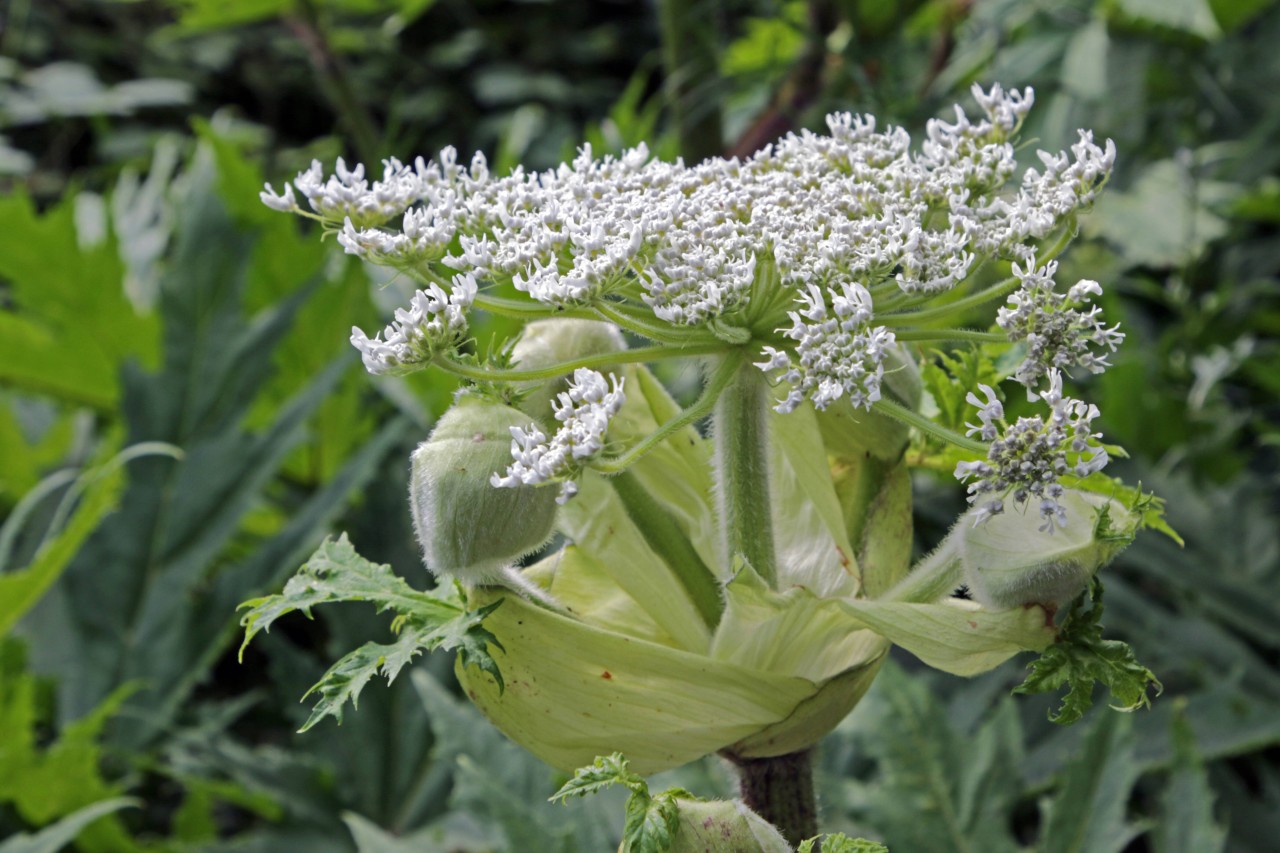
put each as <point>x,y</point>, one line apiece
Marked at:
<point>605,771</point>
<point>838,842</point>
<point>1087,813</point>
<point>336,572</point>
<point>58,835</point>
<point>651,822</point>
<point>1080,658</point>
<point>424,622</point>
<point>1188,825</point>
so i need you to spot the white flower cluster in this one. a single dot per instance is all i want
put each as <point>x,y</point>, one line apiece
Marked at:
<point>838,356</point>
<point>849,217</point>
<point>584,412</point>
<point>435,322</point>
<point>1027,460</point>
<point>1059,332</point>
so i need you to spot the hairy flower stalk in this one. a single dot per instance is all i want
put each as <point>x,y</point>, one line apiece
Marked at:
<point>737,592</point>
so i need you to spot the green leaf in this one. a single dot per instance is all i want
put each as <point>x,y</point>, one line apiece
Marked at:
<point>651,822</point>
<point>604,772</point>
<point>1187,824</point>
<point>1087,813</point>
<point>1193,17</point>
<point>1165,219</point>
<point>1080,658</point>
<point>56,836</point>
<point>21,589</point>
<point>47,783</point>
<point>72,325</point>
<point>936,788</point>
<point>838,842</point>
<point>336,573</point>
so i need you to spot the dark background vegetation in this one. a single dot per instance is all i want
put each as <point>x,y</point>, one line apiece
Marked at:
<point>146,296</point>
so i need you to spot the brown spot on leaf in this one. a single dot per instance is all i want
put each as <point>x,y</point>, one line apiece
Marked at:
<point>606,675</point>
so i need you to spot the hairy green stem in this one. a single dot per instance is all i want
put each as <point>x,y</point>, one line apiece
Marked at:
<point>973,300</point>
<point>519,309</point>
<point>604,359</point>
<point>951,335</point>
<point>701,407</point>
<point>897,411</point>
<point>669,542</point>
<point>933,577</point>
<point>741,429</point>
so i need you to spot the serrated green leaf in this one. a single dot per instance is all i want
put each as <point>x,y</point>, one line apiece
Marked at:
<point>838,842</point>
<point>605,771</point>
<point>58,835</point>
<point>336,573</point>
<point>1080,658</point>
<point>1087,813</point>
<point>937,788</point>
<point>1187,824</point>
<point>651,823</point>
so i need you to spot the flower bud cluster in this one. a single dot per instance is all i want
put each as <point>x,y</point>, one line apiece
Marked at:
<point>1059,331</point>
<point>1026,459</point>
<point>434,322</point>
<point>584,412</point>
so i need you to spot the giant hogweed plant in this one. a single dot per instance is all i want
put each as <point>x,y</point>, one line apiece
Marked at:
<point>734,590</point>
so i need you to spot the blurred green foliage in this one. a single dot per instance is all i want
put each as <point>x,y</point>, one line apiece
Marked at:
<point>146,296</point>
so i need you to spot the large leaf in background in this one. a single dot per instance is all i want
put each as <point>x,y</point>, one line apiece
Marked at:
<point>1166,219</point>
<point>44,783</point>
<point>72,325</point>
<point>935,788</point>
<point>132,604</point>
<point>1088,813</point>
<point>53,838</point>
<point>516,798</point>
<point>285,259</point>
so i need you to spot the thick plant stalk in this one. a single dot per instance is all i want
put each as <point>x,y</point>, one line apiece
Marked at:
<point>780,790</point>
<point>741,428</point>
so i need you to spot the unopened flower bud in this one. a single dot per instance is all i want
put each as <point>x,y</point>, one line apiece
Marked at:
<point>548,342</point>
<point>466,527</point>
<point>1009,562</point>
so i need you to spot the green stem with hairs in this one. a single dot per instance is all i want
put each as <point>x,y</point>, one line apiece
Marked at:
<point>741,429</point>
<point>720,380</point>
<point>899,412</point>
<point>934,576</point>
<point>951,335</point>
<point>973,300</point>
<point>616,314</point>
<point>606,359</point>
<point>522,310</point>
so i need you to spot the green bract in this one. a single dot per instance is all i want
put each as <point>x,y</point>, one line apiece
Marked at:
<point>632,667</point>
<point>467,528</point>
<point>547,342</point>
<point>1009,561</point>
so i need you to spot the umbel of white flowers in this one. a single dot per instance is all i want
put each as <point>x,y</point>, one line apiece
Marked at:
<point>820,252</point>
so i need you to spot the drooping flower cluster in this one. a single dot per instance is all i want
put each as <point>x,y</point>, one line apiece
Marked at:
<point>1026,461</point>
<point>584,412</point>
<point>1059,332</point>
<point>436,321</point>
